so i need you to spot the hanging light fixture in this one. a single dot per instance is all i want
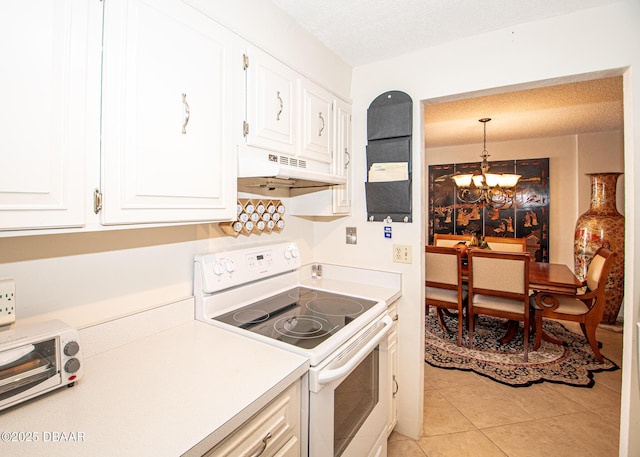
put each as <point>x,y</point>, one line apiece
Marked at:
<point>494,189</point>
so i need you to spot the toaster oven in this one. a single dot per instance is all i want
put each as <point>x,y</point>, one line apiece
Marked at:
<point>35,359</point>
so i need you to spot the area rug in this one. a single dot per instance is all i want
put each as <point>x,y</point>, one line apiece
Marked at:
<point>573,363</point>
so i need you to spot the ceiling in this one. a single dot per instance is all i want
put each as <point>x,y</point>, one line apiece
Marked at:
<point>559,110</point>
<point>365,31</point>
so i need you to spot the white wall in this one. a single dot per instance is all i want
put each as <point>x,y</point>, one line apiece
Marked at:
<point>597,42</point>
<point>600,152</point>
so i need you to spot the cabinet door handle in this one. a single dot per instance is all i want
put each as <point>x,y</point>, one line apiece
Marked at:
<point>348,161</point>
<point>281,105</point>
<point>263,446</point>
<point>186,114</point>
<point>322,119</point>
<point>396,387</point>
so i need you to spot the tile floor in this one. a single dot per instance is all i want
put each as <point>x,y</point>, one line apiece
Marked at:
<point>466,414</point>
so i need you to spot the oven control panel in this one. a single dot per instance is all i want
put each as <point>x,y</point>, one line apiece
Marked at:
<point>221,270</point>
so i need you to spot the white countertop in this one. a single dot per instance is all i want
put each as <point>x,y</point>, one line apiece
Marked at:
<point>159,395</point>
<point>159,383</point>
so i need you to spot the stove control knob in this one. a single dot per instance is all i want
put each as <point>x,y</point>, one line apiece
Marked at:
<point>218,268</point>
<point>229,266</point>
<point>290,253</point>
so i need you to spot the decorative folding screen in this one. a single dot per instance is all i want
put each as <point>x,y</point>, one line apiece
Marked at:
<point>528,217</point>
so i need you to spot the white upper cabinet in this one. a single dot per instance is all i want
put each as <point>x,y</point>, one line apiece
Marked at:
<point>42,123</point>
<point>271,104</point>
<point>316,122</point>
<point>168,83</point>
<point>335,200</point>
<point>341,195</point>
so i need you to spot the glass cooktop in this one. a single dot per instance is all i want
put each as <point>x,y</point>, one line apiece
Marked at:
<point>300,316</point>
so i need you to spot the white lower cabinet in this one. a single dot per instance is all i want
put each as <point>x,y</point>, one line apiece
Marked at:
<point>167,92</point>
<point>392,416</point>
<point>380,448</point>
<point>274,431</point>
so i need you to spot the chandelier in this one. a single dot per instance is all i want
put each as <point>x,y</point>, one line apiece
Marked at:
<point>494,189</point>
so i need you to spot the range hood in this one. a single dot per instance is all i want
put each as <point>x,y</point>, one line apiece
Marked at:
<point>258,168</point>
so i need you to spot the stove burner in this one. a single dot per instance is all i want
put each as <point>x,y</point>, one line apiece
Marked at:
<point>250,316</point>
<point>335,306</point>
<point>302,327</point>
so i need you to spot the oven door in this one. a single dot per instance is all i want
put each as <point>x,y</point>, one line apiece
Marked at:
<point>348,397</point>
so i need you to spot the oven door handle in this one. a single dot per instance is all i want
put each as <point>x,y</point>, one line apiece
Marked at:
<point>327,376</point>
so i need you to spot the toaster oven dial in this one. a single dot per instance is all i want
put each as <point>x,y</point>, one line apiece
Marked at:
<point>72,365</point>
<point>71,348</point>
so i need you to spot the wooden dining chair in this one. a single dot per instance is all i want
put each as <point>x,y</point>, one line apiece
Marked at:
<point>587,308</point>
<point>499,287</point>
<point>449,240</point>
<point>501,244</point>
<point>443,281</point>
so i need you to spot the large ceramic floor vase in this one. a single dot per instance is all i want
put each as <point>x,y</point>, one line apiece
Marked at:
<point>602,225</point>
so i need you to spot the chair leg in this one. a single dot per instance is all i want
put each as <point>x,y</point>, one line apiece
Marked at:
<point>538,319</point>
<point>471,320</point>
<point>440,312</point>
<point>589,330</point>
<point>512,329</point>
<point>526,339</point>
<point>441,320</point>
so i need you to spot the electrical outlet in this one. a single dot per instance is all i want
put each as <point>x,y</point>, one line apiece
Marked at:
<point>352,235</point>
<point>7,301</point>
<point>401,253</point>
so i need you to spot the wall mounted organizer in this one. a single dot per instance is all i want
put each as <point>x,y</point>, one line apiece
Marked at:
<point>389,130</point>
<point>256,217</point>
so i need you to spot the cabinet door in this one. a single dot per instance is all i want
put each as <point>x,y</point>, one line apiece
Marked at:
<point>275,430</point>
<point>316,122</point>
<point>341,195</point>
<point>167,154</point>
<point>271,103</point>
<point>42,123</point>
<point>392,414</point>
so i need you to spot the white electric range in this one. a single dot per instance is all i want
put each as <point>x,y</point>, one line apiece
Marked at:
<point>256,292</point>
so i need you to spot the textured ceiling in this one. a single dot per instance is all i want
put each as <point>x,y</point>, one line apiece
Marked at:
<point>364,31</point>
<point>567,109</point>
